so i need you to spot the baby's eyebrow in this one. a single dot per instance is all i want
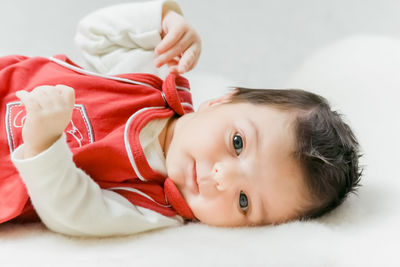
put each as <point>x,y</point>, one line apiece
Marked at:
<point>257,141</point>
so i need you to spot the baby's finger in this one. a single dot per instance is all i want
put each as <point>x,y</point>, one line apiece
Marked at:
<point>173,69</point>
<point>43,96</point>
<point>53,94</point>
<point>170,39</point>
<point>26,99</point>
<point>22,95</point>
<point>174,61</point>
<point>189,59</point>
<point>175,51</point>
<point>67,93</point>
<point>173,65</point>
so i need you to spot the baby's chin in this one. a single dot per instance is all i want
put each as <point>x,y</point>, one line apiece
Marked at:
<point>181,174</point>
<point>176,176</point>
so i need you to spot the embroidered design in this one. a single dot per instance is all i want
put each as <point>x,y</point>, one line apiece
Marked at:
<point>78,132</point>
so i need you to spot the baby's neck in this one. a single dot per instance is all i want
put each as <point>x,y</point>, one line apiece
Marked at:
<point>165,137</point>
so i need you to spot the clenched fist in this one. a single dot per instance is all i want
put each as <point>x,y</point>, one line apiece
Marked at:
<point>48,112</point>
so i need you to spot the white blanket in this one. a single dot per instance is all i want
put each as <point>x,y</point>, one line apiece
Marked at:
<point>361,78</point>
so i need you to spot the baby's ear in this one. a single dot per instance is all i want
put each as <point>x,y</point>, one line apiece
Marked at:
<point>227,98</point>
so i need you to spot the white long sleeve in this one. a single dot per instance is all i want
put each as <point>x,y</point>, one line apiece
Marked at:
<point>68,201</point>
<point>121,39</point>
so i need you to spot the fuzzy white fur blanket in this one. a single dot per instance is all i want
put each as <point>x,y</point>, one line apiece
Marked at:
<point>360,76</point>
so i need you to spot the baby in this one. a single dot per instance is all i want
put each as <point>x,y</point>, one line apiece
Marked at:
<point>94,150</point>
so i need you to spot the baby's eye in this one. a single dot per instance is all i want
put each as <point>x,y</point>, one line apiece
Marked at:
<point>243,202</point>
<point>237,144</point>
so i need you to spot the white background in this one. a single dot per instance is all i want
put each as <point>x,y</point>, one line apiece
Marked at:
<point>255,43</point>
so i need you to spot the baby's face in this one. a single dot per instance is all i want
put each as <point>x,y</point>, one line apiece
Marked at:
<point>233,165</point>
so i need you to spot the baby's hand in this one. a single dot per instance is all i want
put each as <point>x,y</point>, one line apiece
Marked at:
<point>48,112</point>
<point>181,44</point>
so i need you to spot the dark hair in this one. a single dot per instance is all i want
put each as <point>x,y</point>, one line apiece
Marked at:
<point>327,149</point>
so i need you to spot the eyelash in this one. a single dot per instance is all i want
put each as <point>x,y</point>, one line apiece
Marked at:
<point>239,141</point>
<point>244,209</point>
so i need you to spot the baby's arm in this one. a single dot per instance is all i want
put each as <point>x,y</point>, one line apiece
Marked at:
<point>122,38</point>
<point>48,112</point>
<point>67,200</point>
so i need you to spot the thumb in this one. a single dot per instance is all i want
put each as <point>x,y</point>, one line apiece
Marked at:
<point>22,95</point>
<point>27,100</point>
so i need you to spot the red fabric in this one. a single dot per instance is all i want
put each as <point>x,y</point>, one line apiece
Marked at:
<point>96,133</point>
<point>176,199</point>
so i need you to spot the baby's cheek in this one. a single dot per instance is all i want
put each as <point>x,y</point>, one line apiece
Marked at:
<point>198,206</point>
<point>210,212</point>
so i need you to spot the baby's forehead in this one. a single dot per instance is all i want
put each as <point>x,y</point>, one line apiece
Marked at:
<point>267,113</point>
<point>272,125</point>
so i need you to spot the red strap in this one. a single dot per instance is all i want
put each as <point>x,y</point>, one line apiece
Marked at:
<point>176,200</point>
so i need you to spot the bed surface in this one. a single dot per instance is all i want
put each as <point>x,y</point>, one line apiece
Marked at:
<point>362,232</point>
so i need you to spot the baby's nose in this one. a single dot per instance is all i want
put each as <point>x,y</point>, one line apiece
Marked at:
<point>223,176</point>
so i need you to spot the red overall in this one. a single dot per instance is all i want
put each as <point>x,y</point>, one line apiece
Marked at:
<point>103,134</point>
